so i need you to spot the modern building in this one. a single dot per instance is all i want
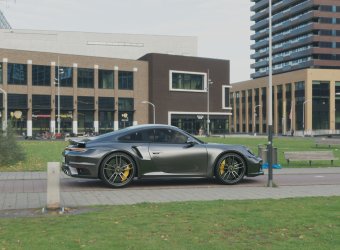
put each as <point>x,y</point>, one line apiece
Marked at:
<point>4,24</point>
<point>100,94</point>
<point>123,46</point>
<point>306,34</point>
<point>306,70</point>
<point>190,92</point>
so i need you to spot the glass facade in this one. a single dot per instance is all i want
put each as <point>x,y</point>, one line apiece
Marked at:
<point>321,93</point>
<point>250,105</point>
<point>106,79</point>
<point>186,81</point>
<point>65,76</point>
<point>257,111</point>
<point>41,114</point>
<point>125,112</point>
<point>1,77</point>
<point>280,116</point>
<point>41,75</point>
<point>337,105</point>
<point>237,111</point>
<point>264,109</point>
<point>106,114</point>
<point>85,78</point>
<point>17,112</point>
<point>17,74</point>
<point>85,105</point>
<point>299,105</point>
<point>125,80</point>
<point>197,124</point>
<point>289,107</point>
<point>66,113</point>
<point>243,100</point>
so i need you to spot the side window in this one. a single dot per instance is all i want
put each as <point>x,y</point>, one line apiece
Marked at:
<point>169,136</point>
<point>138,136</point>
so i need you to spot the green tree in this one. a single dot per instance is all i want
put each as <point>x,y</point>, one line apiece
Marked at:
<point>10,151</point>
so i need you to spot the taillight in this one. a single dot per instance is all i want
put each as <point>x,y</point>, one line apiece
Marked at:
<point>76,149</point>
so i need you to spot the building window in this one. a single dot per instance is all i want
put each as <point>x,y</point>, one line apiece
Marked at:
<point>321,93</point>
<point>250,101</point>
<point>65,76</point>
<point>125,112</point>
<point>106,79</point>
<point>125,80</point>
<point>85,78</point>
<point>17,74</point>
<point>187,81</point>
<point>1,73</point>
<point>66,102</point>
<point>299,100</point>
<point>17,112</point>
<point>41,75</point>
<point>225,97</point>
<point>264,110</point>
<point>85,114</point>
<point>337,105</point>
<point>106,114</point>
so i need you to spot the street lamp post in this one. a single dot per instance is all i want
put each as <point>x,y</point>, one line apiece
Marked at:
<point>208,103</point>
<point>270,100</point>
<point>4,124</point>
<point>60,72</point>
<point>154,108</point>
<point>255,118</point>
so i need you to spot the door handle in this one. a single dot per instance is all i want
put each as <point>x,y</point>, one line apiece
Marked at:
<point>156,152</point>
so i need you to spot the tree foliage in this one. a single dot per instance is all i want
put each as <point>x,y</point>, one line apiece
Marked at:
<point>10,150</point>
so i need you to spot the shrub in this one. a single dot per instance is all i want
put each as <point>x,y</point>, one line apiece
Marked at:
<point>10,151</point>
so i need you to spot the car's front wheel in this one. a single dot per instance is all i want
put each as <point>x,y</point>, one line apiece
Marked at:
<point>230,168</point>
<point>118,170</point>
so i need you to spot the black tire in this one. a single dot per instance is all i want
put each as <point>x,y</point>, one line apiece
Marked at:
<point>230,169</point>
<point>117,170</point>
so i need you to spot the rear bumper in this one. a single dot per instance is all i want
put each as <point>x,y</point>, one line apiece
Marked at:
<point>79,171</point>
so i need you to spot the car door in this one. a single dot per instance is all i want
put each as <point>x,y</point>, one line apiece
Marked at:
<point>172,155</point>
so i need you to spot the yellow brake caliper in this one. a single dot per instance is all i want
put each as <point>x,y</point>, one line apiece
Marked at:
<point>126,172</point>
<point>222,167</point>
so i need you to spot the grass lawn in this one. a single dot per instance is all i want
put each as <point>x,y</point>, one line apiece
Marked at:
<point>38,153</point>
<point>304,223</point>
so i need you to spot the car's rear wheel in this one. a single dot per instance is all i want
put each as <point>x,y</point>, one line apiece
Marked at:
<point>118,170</point>
<point>230,168</point>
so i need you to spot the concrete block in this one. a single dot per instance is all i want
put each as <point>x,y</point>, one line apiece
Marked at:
<point>53,185</point>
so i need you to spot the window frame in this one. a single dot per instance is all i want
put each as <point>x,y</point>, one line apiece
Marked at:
<point>205,76</point>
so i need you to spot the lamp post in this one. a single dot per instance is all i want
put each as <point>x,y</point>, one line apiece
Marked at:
<point>270,100</point>
<point>255,118</point>
<point>4,124</point>
<point>154,108</point>
<point>208,103</point>
<point>60,72</point>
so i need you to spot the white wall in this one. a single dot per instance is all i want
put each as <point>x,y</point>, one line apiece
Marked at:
<point>125,46</point>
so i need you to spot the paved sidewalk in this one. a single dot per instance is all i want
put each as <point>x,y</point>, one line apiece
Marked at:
<point>28,190</point>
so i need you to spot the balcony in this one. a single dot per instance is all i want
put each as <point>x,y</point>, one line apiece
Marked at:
<point>260,15</point>
<point>259,45</point>
<point>260,25</point>
<point>259,5</point>
<point>259,64</point>
<point>302,19</point>
<point>293,34</point>
<point>259,55</point>
<point>293,10</point>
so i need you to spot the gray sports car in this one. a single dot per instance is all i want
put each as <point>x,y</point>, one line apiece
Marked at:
<point>153,151</point>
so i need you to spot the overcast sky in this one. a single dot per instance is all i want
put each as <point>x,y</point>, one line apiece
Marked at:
<point>222,26</point>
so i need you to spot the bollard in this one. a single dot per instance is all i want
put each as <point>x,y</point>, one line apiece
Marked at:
<point>53,186</point>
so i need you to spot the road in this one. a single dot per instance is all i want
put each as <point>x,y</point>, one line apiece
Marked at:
<point>28,190</point>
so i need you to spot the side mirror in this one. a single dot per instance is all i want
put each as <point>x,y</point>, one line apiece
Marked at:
<point>190,142</point>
